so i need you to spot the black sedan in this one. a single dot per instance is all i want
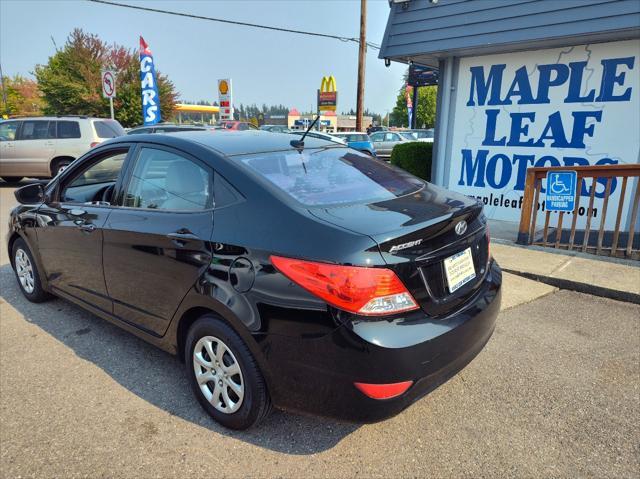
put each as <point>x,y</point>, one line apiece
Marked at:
<point>306,276</point>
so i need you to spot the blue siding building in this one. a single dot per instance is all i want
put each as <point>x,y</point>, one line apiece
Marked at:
<point>524,83</point>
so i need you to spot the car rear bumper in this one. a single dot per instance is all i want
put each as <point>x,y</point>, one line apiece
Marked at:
<point>317,375</point>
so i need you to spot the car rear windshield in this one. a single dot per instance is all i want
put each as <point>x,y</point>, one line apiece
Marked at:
<point>331,176</point>
<point>409,135</point>
<point>108,128</point>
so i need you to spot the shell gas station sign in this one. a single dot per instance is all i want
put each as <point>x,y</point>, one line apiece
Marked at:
<point>327,94</point>
<point>224,99</point>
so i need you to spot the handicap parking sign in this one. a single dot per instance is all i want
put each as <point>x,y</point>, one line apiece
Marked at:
<point>561,190</point>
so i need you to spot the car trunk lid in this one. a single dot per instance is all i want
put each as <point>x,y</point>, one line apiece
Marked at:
<point>415,234</point>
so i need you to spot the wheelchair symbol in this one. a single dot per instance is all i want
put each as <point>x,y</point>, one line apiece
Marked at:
<point>558,187</point>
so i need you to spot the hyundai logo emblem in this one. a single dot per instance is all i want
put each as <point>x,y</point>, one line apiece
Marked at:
<point>461,227</point>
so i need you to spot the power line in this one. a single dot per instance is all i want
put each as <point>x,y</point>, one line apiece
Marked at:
<point>234,22</point>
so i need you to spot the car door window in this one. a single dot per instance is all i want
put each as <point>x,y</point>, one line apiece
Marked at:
<point>96,181</point>
<point>8,130</point>
<point>377,137</point>
<point>35,130</point>
<point>164,180</point>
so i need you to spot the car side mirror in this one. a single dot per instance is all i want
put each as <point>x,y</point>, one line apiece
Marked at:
<point>30,194</point>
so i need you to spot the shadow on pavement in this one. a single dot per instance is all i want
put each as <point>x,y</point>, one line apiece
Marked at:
<point>158,377</point>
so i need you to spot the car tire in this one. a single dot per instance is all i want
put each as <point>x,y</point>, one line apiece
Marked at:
<point>12,179</point>
<point>27,273</point>
<point>59,165</point>
<point>214,379</point>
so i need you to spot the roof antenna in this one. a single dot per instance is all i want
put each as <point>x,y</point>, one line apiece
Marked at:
<point>299,144</point>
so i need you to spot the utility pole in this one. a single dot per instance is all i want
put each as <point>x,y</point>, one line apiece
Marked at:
<point>362,51</point>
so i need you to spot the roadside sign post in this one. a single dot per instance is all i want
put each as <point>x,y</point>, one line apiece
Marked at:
<point>109,87</point>
<point>327,96</point>
<point>225,99</point>
<point>561,191</point>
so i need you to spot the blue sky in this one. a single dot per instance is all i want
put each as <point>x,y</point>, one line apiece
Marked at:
<point>266,66</point>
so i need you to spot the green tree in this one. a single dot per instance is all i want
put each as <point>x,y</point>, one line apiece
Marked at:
<point>426,110</point>
<point>22,95</point>
<point>71,85</point>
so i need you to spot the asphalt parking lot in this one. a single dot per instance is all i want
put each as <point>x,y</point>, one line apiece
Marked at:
<point>556,393</point>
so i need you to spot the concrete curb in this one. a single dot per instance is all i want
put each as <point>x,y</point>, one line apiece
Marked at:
<point>576,254</point>
<point>626,296</point>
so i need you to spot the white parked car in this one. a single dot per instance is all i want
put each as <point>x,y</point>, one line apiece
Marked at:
<point>320,135</point>
<point>40,147</point>
<point>424,135</point>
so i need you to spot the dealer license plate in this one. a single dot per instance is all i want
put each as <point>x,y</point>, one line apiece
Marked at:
<point>459,269</point>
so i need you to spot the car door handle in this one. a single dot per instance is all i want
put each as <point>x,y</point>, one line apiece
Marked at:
<point>181,237</point>
<point>88,227</point>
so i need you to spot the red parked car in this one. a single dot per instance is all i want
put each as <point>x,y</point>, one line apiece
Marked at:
<point>237,125</point>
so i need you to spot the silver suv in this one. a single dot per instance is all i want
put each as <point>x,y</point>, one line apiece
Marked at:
<point>41,147</point>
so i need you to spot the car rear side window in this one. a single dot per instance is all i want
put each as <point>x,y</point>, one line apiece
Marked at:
<point>223,193</point>
<point>68,129</point>
<point>331,176</point>
<point>108,128</point>
<point>164,180</point>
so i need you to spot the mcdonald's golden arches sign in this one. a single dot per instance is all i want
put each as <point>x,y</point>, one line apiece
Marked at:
<point>328,94</point>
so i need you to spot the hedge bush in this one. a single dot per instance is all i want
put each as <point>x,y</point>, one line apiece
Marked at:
<point>414,157</point>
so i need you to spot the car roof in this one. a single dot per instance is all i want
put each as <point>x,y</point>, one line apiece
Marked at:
<point>172,125</point>
<point>62,117</point>
<point>233,142</point>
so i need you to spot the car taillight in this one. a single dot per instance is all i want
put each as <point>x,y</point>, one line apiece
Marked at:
<point>365,291</point>
<point>94,143</point>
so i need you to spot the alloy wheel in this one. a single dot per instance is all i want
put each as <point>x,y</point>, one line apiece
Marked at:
<point>218,374</point>
<point>24,270</point>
